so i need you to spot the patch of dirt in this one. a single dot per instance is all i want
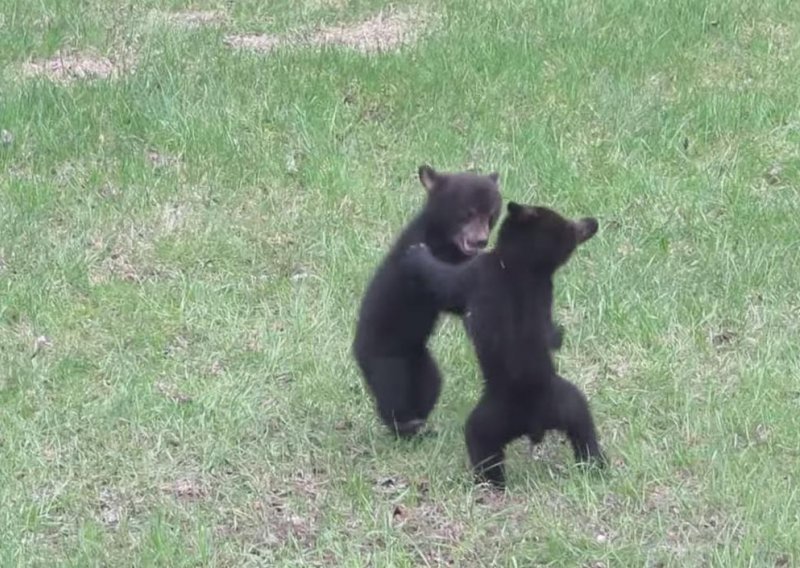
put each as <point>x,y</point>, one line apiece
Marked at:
<point>197,18</point>
<point>777,35</point>
<point>174,217</point>
<point>490,497</point>
<point>261,43</point>
<point>116,265</point>
<point>704,532</point>
<point>20,332</point>
<point>172,393</point>
<point>110,509</point>
<point>65,68</point>
<point>336,4</point>
<point>310,486</point>
<point>688,529</point>
<point>179,345</point>
<point>661,498</point>
<point>386,31</point>
<point>753,436</point>
<point>282,525</point>
<point>217,368</point>
<point>344,425</point>
<point>774,175</point>
<point>127,252</point>
<point>276,520</point>
<point>252,341</point>
<point>382,32</point>
<point>723,338</point>
<point>119,260</point>
<point>739,64</point>
<point>41,344</point>
<point>391,485</point>
<point>661,86</point>
<point>159,160</point>
<point>186,19</point>
<point>187,489</point>
<point>431,524</point>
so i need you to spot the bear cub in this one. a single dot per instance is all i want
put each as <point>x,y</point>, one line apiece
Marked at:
<point>506,296</point>
<point>397,313</point>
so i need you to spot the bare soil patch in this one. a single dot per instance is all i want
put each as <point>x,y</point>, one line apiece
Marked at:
<point>385,31</point>
<point>160,160</point>
<point>186,489</point>
<point>197,18</point>
<point>126,252</point>
<point>262,43</point>
<point>119,259</point>
<point>172,393</point>
<point>66,67</point>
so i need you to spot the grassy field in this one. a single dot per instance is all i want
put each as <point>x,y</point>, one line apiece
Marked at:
<point>189,218</point>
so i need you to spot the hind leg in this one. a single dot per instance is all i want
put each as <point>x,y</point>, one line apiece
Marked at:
<point>389,380</point>
<point>426,385</point>
<point>405,389</point>
<point>569,413</point>
<point>489,429</point>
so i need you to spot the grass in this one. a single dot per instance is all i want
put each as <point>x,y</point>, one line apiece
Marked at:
<point>183,249</point>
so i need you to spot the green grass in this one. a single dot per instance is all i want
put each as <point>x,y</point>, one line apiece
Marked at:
<point>196,402</point>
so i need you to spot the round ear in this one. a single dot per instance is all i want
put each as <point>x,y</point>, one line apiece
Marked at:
<point>586,228</point>
<point>495,177</point>
<point>428,177</point>
<point>522,212</point>
<point>514,209</point>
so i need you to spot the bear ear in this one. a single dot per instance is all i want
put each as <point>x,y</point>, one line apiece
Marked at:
<point>428,177</point>
<point>495,177</point>
<point>522,212</point>
<point>586,228</point>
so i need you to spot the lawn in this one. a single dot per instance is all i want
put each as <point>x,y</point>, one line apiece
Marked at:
<point>193,197</point>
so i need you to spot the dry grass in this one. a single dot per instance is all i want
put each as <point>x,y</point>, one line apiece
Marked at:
<point>385,31</point>
<point>67,67</point>
<point>197,18</point>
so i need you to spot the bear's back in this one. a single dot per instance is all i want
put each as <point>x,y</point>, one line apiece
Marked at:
<point>509,323</point>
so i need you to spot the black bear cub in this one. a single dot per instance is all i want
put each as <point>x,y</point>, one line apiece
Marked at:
<point>506,296</point>
<point>398,314</point>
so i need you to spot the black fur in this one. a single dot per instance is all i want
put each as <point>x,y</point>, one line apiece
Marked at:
<point>397,313</point>
<point>506,296</point>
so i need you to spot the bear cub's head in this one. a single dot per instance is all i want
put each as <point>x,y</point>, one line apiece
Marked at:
<point>462,208</point>
<point>541,238</point>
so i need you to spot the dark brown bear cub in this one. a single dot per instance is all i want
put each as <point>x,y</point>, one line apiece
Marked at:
<point>507,298</point>
<point>398,314</point>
